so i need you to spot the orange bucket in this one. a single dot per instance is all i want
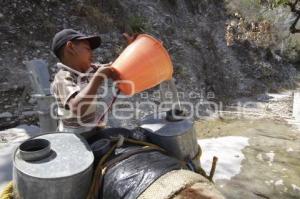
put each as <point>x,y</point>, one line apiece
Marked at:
<point>144,64</point>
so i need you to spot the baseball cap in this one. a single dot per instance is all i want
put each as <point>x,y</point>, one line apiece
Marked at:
<point>65,35</point>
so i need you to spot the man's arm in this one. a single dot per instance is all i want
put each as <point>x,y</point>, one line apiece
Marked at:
<point>80,102</point>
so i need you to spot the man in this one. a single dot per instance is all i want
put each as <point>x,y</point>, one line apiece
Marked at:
<point>76,83</point>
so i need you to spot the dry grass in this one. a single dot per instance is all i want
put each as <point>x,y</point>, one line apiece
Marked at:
<point>95,16</point>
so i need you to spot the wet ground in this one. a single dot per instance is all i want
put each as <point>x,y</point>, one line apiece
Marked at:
<point>270,166</point>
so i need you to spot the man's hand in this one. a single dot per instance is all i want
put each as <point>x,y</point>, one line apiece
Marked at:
<point>84,96</point>
<point>97,65</point>
<point>105,70</point>
<point>129,38</point>
<point>108,71</point>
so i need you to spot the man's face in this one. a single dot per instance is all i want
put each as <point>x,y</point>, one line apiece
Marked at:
<point>83,54</point>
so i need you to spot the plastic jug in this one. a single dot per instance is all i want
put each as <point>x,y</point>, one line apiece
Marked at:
<point>144,64</point>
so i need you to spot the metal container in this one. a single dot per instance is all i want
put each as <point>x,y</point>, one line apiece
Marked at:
<point>40,82</point>
<point>177,137</point>
<point>56,165</point>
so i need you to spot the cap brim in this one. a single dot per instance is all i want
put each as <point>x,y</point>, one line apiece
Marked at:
<point>94,41</point>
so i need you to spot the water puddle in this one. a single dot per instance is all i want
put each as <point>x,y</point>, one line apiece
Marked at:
<point>229,152</point>
<point>257,158</point>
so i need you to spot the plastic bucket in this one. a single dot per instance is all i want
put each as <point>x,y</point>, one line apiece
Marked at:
<point>144,64</point>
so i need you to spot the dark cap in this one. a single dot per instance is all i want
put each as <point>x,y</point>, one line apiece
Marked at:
<point>62,37</point>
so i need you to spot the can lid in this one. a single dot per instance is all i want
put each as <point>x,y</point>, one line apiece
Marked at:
<point>160,125</point>
<point>69,155</point>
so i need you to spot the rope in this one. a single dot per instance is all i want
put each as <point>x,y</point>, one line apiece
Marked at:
<point>7,193</point>
<point>101,118</point>
<point>98,175</point>
<point>103,164</point>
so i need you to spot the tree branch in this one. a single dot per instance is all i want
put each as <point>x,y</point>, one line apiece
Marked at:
<point>293,28</point>
<point>294,9</point>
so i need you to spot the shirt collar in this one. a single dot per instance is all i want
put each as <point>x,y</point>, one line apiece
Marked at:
<point>61,65</point>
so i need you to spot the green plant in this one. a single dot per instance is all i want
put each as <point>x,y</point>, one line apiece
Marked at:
<point>276,3</point>
<point>137,24</point>
<point>181,71</point>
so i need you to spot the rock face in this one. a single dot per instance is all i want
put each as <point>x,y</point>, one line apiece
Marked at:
<point>193,32</point>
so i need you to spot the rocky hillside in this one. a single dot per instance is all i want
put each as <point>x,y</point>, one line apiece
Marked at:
<point>193,31</point>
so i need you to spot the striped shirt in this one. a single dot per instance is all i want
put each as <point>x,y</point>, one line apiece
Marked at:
<point>67,84</point>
